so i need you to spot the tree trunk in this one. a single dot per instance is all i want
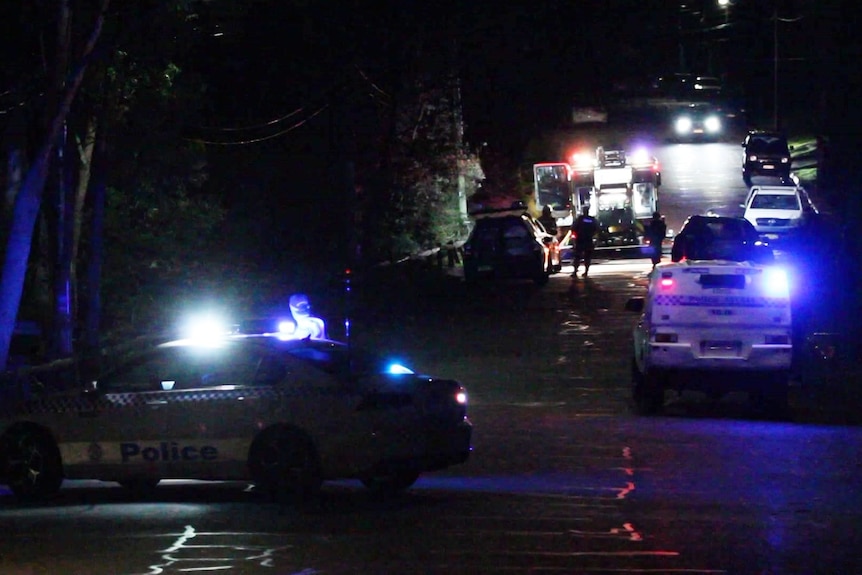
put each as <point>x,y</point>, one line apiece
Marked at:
<point>93,303</point>
<point>29,200</point>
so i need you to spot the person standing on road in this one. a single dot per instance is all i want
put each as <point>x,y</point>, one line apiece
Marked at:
<point>548,221</point>
<point>655,233</point>
<point>584,230</point>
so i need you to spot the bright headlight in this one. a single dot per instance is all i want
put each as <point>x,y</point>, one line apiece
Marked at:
<point>712,124</point>
<point>683,125</point>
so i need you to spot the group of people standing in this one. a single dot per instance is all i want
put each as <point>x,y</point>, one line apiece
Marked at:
<point>584,232</point>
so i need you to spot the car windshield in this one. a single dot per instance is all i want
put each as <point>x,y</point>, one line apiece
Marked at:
<point>763,145</point>
<point>775,202</point>
<point>727,229</point>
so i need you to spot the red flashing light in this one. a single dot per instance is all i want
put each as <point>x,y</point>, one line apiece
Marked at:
<point>583,161</point>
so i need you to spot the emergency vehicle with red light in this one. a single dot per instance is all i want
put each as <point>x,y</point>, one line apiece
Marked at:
<point>716,327</point>
<point>620,189</point>
<point>286,410</point>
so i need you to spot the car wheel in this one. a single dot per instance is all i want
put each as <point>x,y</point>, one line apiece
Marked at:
<point>390,484</point>
<point>647,392</point>
<point>284,463</point>
<point>32,464</point>
<point>746,177</point>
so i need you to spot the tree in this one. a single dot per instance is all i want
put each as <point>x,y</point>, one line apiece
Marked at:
<point>61,93</point>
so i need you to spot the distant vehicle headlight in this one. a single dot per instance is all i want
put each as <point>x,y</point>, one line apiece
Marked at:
<point>683,125</point>
<point>712,124</point>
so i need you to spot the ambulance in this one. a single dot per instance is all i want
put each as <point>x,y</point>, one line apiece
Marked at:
<point>716,327</point>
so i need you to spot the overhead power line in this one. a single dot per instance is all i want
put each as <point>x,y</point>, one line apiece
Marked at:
<point>262,138</point>
<point>267,124</point>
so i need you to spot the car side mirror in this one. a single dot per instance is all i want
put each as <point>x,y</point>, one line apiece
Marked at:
<point>635,304</point>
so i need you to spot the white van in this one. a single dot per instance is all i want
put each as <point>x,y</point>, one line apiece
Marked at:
<point>715,327</point>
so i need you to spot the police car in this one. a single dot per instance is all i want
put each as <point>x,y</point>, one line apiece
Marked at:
<point>287,411</point>
<point>713,326</point>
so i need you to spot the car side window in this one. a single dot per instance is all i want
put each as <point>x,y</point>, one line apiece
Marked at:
<point>270,371</point>
<point>181,368</point>
<point>153,372</point>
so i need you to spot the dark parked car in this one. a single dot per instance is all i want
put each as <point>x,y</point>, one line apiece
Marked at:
<point>720,238</point>
<point>765,154</point>
<point>510,245</point>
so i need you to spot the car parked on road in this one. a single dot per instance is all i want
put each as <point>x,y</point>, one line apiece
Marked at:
<point>284,410</point>
<point>714,327</point>
<point>777,211</point>
<point>765,153</point>
<point>510,244</point>
<point>708,237</point>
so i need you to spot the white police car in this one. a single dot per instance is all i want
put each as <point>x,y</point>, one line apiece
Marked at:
<point>713,326</point>
<point>283,412</point>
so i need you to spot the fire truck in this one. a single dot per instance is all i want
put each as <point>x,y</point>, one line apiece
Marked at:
<point>619,189</point>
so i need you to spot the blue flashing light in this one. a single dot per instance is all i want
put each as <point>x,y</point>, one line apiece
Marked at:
<point>398,369</point>
<point>775,282</point>
<point>641,158</point>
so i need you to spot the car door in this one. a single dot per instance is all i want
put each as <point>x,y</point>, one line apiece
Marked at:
<point>118,423</point>
<point>326,401</point>
<point>154,414</point>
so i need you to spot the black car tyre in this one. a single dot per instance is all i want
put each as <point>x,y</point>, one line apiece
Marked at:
<point>32,464</point>
<point>647,393</point>
<point>746,177</point>
<point>391,483</point>
<point>284,463</point>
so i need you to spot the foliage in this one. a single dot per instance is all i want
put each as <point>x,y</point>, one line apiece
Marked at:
<point>159,240</point>
<point>430,171</point>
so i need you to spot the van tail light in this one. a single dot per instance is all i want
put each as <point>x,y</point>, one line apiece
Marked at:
<point>665,338</point>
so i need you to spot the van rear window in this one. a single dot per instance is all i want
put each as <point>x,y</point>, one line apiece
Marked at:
<point>735,281</point>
